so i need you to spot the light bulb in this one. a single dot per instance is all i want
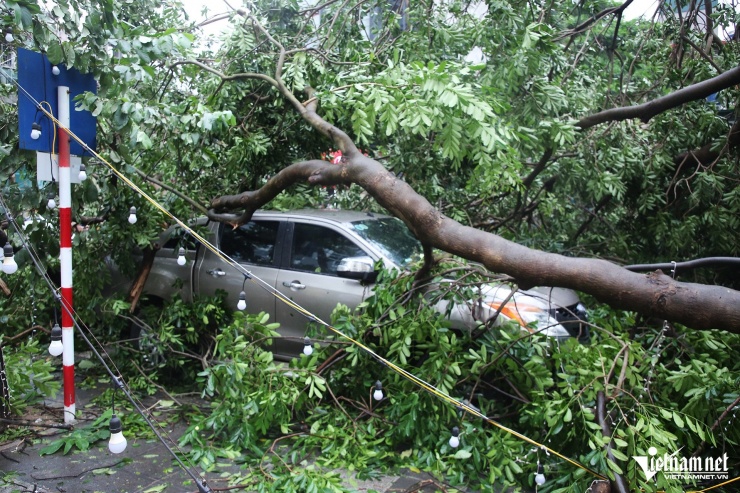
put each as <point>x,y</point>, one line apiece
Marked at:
<point>378,394</point>
<point>9,37</point>
<point>539,478</point>
<point>455,438</point>
<point>117,442</point>
<point>51,204</point>
<point>55,70</point>
<point>132,215</point>
<point>83,173</point>
<point>35,131</point>
<point>56,348</point>
<point>9,265</point>
<point>307,347</point>
<point>181,257</point>
<point>242,304</point>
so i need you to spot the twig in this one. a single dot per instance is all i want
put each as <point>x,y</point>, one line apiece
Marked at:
<point>716,424</point>
<point>79,474</point>
<point>155,384</point>
<point>8,340</point>
<point>25,422</point>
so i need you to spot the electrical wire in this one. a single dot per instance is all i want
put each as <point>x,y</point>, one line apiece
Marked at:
<point>280,296</point>
<point>248,275</point>
<point>117,379</point>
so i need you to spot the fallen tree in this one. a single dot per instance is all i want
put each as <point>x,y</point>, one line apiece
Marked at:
<point>654,294</point>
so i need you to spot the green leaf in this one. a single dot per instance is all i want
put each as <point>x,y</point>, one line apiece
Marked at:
<point>462,454</point>
<point>52,448</point>
<point>677,419</point>
<point>54,54</point>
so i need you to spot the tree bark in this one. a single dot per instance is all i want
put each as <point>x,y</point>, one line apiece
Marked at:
<point>655,294</point>
<point>709,153</point>
<point>4,288</point>
<point>648,110</point>
<point>619,484</point>
<point>137,287</point>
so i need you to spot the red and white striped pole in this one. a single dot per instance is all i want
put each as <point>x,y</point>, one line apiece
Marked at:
<point>65,255</point>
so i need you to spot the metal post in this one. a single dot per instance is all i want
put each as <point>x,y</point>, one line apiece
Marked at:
<point>65,255</point>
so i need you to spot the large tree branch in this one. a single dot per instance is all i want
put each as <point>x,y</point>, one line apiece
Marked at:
<point>709,153</point>
<point>591,20</point>
<point>654,294</point>
<point>648,110</point>
<point>698,306</point>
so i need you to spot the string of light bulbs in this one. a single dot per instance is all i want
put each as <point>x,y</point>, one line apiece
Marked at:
<point>377,394</point>
<point>117,442</point>
<point>461,406</point>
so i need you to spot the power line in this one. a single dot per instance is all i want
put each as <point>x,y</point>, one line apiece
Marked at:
<point>117,379</point>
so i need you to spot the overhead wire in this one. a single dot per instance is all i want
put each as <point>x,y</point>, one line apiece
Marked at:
<point>462,406</point>
<point>263,284</point>
<point>115,376</point>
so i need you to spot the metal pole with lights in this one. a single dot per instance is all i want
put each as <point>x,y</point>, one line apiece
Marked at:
<point>65,254</point>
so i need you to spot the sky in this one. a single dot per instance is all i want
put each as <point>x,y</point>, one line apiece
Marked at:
<point>641,8</point>
<point>194,7</point>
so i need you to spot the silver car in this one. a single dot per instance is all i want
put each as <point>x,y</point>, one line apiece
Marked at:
<point>319,258</point>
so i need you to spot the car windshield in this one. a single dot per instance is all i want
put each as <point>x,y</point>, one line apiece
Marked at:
<point>391,237</point>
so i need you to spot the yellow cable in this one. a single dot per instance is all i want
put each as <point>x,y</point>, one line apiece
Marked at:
<point>716,485</point>
<point>400,371</point>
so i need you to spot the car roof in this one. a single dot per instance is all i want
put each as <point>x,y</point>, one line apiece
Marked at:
<point>335,215</point>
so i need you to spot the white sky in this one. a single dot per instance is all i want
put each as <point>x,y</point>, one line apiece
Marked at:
<point>194,7</point>
<point>640,8</point>
<point>637,8</point>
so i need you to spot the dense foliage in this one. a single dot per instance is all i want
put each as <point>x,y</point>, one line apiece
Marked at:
<point>477,108</point>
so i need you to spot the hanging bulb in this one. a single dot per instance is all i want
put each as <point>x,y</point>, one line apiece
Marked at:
<point>51,204</point>
<point>35,131</point>
<point>55,70</point>
<point>539,478</point>
<point>56,348</point>
<point>132,215</point>
<point>9,37</point>
<point>9,265</point>
<point>307,347</point>
<point>378,394</point>
<point>83,172</point>
<point>242,304</point>
<point>455,438</point>
<point>117,442</point>
<point>181,257</point>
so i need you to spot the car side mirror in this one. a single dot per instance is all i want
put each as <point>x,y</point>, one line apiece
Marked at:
<point>357,268</point>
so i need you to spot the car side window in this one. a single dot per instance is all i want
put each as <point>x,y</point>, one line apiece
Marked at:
<point>251,243</point>
<point>179,238</point>
<point>319,250</point>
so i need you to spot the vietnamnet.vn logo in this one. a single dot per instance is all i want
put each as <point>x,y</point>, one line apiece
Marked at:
<point>676,467</point>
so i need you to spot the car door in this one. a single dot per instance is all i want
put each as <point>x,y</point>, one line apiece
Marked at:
<point>255,246</point>
<point>309,278</point>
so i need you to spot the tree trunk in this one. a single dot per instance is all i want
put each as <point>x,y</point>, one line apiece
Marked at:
<point>137,287</point>
<point>656,295</point>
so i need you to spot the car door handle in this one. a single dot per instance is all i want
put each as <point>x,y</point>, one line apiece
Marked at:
<point>216,272</point>
<point>294,285</point>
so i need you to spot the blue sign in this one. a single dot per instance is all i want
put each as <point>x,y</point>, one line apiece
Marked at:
<point>36,77</point>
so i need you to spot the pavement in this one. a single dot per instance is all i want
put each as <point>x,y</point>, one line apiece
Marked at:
<point>144,467</point>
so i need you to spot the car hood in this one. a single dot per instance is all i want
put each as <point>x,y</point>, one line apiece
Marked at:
<point>548,297</point>
<point>559,297</point>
